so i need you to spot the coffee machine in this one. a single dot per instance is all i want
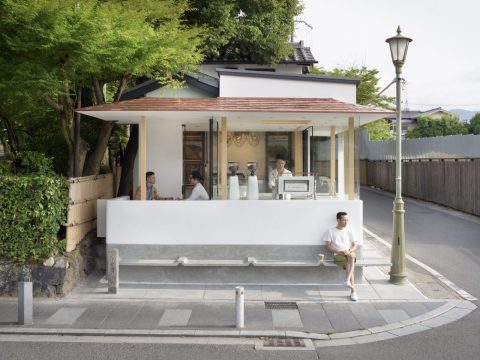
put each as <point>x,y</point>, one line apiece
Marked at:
<point>252,185</point>
<point>233,184</point>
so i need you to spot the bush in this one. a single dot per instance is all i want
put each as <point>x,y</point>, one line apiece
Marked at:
<point>32,210</point>
<point>31,162</point>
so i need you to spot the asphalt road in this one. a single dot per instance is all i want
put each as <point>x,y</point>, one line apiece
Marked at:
<point>445,240</point>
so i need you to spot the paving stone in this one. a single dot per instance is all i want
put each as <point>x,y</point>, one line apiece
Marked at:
<point>93,317</point>
<point>341,317</point>
<point>213,315</point>
<point>289,318</point>
<point>290,293</point>
<point>394,315</point>
<point>414,308</point>
<point>65,316</point>
<point>175,317</point>
<point>367,315</point>
<point>148,316</point>
<point>437,321</point>
<point>121,315</point>
<point>434,304</point>
<point>315,319</point>
<point>257,317</point>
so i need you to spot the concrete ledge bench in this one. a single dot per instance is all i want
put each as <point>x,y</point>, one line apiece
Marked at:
<point>248,261</point>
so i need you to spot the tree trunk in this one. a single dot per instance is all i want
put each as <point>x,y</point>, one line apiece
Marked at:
<point>126,180</point>
<point>92,165</point>
<point>94,160</point>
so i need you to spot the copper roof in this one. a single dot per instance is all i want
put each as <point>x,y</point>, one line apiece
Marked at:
<point>238,104</point>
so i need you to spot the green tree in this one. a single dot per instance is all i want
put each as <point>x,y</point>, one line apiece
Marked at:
<point>474,124</point>
<point>239,29</point>
<point>430,127</point>
<point>53,51</point>
<point>379,130</point>
<point>366,95</point>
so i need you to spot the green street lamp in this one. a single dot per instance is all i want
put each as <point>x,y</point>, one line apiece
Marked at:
<point>398,49</point>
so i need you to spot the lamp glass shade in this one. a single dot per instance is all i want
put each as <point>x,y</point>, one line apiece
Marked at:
<point>398,47</point>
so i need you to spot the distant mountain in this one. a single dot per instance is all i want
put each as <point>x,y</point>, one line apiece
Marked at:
<point>464,115</point>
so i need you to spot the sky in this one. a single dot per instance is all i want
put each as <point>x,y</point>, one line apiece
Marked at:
<point>442,68</point>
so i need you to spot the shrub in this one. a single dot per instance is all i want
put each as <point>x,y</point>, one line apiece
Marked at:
<point>32,210</point>
<point>31,162</point>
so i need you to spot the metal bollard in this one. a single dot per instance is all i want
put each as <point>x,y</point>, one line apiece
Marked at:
<point>239,307</point>
<point>25,303</point>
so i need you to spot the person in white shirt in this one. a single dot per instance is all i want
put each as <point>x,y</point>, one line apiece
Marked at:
<point>198,192</point>
<point>276,173</point>
<point>340,240</point>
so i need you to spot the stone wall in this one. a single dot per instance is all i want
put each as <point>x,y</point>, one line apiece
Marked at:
<point>59,274</point>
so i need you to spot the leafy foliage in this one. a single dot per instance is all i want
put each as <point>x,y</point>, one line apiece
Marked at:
<point>379,130</point>
<point>366,95</point>
<point>53,48</point>
<point>252,29</point>
<point>33,208</point>
<point>443,126</point>
<point>474,124</point>
<point>30,162</point>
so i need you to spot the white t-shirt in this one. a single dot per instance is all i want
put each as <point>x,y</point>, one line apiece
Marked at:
<point>199,193</point>
<point>341,239</point>
<point>273,177</point>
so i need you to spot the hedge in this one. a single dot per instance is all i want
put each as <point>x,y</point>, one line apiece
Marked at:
<point>32,209</point>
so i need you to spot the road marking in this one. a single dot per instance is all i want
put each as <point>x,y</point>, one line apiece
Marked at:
<point>462,293</point>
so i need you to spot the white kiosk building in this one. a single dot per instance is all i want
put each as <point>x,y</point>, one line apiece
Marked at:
<point>239,116</point>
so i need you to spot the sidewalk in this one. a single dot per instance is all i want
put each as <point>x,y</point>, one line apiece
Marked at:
<point>322,313</point>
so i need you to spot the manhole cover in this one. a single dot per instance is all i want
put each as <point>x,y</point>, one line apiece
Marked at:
<point>280,305</point>
<point>284,344</point>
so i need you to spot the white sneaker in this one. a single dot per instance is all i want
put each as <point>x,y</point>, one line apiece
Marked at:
<point>348,284</point>
<point>354,296</point>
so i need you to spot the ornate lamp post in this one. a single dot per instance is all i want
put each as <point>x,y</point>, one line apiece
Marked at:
<point>398,48</point>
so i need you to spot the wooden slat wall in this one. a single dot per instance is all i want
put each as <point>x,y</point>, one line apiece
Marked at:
<point>82,211</point>
<point>449,182</point>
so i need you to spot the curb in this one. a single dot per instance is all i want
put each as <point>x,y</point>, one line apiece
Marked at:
<point>451,311</point>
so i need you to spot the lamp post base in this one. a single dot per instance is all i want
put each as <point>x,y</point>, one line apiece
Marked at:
<point>398,273</point>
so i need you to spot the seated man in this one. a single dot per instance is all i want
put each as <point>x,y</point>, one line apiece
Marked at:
<point>341,241</point>
<point>152,193</point>
<point>198,191</point>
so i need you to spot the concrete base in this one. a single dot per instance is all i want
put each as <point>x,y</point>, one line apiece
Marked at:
<point>235,275</point>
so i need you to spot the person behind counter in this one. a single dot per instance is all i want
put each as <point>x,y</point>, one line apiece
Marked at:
<point>152,193</point>
<point>277,172</point>
<point>198,192</point>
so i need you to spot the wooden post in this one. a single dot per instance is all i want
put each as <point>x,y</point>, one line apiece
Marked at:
<point>333,157</point>
<point>351,159</point>
<point>142,159</point>
<point>298,152</point>
<point>223,159</point>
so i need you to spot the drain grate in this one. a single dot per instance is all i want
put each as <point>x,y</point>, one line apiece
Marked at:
<point>284,343</point>
<point>281,305</point>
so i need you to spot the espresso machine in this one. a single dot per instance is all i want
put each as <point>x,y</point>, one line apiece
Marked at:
<point>233,184</point>
<point>252,185</point>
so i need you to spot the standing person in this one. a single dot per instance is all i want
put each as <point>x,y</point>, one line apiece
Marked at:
<point>276,173</point>
<point>152,193</point>
<point>198,192</point>
<point>341,241</point>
